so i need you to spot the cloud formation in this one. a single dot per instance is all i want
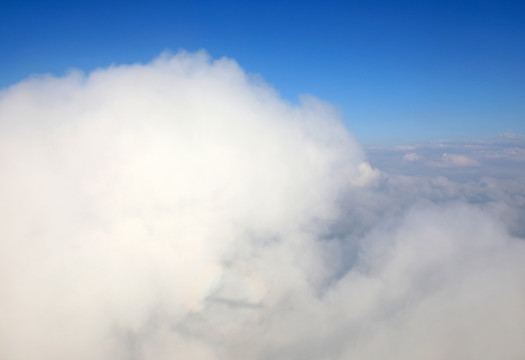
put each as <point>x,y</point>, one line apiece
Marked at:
<point>181,209</point>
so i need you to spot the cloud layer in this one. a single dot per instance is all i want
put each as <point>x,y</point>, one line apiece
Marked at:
<point>181,209</point>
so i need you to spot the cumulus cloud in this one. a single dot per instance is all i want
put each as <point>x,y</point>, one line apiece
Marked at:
<point>367,175</point>
<point>411,156</point>
<point>457,160</point>
<point>181,209</point>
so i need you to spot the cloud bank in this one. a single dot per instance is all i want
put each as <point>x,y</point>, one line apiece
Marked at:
<point>182,209</point>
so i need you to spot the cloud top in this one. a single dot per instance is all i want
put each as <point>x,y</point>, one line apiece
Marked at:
<point>135,188</point>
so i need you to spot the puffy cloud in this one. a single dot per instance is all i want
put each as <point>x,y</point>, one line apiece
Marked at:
<point>367,175</point>
<point>457,160</point>
<point>411,156</point>
<point>180,208</point>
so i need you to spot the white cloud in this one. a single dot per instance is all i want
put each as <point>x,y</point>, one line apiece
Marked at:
<point>458,160</point>
<point>182,209</point>
<point>411,157</point>
<point>367,175</point>
<point>404,147</point>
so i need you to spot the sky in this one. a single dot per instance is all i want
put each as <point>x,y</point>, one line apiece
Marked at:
<point>397,70</point>
<point>261,182</point>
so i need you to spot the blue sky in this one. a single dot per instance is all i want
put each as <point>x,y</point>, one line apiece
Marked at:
<point>397,70</point>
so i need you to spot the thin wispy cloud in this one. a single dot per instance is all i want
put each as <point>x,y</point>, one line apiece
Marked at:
<point>182,209</point>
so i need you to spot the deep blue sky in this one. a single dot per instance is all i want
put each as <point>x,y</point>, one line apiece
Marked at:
<point>398,70</point>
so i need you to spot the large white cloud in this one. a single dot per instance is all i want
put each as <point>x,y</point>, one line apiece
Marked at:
<point>181,209</point>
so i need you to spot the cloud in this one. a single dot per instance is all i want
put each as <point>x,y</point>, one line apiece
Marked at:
<point>367,175</point>
<point>457,160</point>
<point>180,208</point>
<point>410,157</point>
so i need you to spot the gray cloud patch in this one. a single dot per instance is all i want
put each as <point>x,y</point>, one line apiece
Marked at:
<point>181,209</point>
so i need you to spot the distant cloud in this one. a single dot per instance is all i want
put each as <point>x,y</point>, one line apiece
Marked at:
<point>410,157</point>
<point>404,147</point>
<point>458,160</point>
<point>513,137</point>
<point>181,209</point>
